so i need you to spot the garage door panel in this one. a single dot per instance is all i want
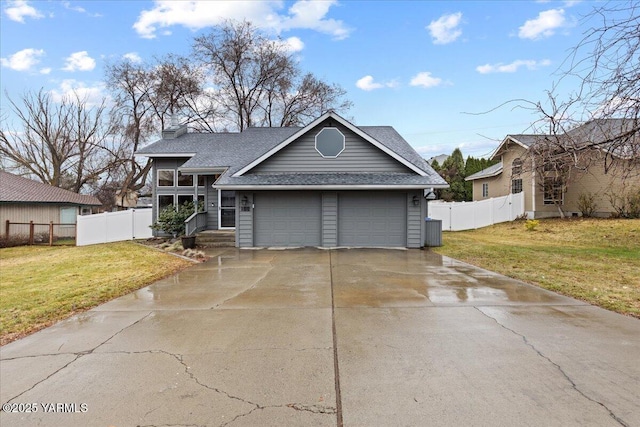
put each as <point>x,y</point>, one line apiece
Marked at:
<point>372,219</point>
<point>287,219</point>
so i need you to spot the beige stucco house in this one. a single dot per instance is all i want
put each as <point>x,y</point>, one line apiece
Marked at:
<point>514,173</point>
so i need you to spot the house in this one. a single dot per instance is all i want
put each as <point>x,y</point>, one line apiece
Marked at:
<point>326,184</point>
<point>23,200</point>
<point>514,173</point>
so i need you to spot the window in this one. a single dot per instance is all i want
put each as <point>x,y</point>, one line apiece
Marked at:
<point>184,198</point>
<point>164,201</point>
<point>516,167</point>
<point>166,177</point>
<point>553,191</point>
<point>516,186</point>
<point>200,180</point>
<point>330,142</point>
<point>201,204</point>
<point>185,179</point>
<point>485,190</point>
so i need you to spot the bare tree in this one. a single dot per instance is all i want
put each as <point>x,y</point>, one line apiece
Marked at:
<point>606,63</point>
<point>145,97</point>
<point>258,82</point>
<point>285,105</point>
<point>66,144</point>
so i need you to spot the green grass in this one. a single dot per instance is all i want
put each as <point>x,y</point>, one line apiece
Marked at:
<point>40,285</point>
<point>594,260</point>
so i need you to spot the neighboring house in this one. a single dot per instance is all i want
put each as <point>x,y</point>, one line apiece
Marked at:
<point>327,184</point>
<point>513,174</point>
<point>23,200</point>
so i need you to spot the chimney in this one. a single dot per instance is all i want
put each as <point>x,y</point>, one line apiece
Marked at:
<point>175,129</point>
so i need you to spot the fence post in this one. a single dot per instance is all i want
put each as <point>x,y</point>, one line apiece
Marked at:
<point>31,230</point>
<point>6,229</point>
<point>51,233</point>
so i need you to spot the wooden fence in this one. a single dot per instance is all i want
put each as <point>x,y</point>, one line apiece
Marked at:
<point>38,233</point>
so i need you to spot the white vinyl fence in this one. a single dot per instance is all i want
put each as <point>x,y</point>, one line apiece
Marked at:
<point>456,216</point>
<point>114,226</point>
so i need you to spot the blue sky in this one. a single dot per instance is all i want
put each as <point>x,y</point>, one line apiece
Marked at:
<point>418,66</point>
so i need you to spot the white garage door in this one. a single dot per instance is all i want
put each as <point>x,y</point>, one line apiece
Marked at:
<point>288,218</point>
<point>372,219</point>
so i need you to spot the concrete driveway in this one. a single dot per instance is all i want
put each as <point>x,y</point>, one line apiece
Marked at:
<point>309,337</point>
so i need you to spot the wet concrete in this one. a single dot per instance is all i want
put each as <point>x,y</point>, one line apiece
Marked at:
<point>319,337</point>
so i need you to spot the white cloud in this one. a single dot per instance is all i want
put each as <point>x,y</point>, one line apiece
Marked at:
<point>264,14</point>
<point>512,67</point>
<point>425,80</point>
<point>293,44</point>
<point>67,5</point>
<point>311,14</point>
<point>445,29</point>
<point>79,9</point>
<point>80,61</point>
<point>45,71</point>
<point>22,60</point>
<point>19,9</point>
<point>133,57</point>
<point>367,83</point>
<point>93,95</point>
<point>545,25</point>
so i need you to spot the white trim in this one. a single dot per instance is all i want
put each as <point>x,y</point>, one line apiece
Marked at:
<point>173,171</point>
<point>193,177</point>
<point>344,143</point>
<point>327,187</point>
<point>164,154</point>
<point>343,122</point>
<point>533,187</point>
<point>158,209</point>
<point>203,171</point>
<point>504,141</point>
<point>496,173</point>
<point>220,227</point>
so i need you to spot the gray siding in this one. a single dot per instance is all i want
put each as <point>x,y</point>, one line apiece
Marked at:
<point>212,204</point>
<point>358,156</point>
<point>414,220</point>
<point>329,219</point>
<point>210,194</point>
<point>244,222</point>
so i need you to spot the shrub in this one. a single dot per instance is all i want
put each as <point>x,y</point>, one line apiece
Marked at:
<point>587,204</point>
<point>171,220</point>
<point>531,224</point>
<point>626,204</point>
<point>14,240</point>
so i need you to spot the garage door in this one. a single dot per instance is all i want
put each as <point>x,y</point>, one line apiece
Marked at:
<point>287,219</point>
<point>372,219</point>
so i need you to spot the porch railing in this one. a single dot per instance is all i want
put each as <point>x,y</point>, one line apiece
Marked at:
<point>196,222</point>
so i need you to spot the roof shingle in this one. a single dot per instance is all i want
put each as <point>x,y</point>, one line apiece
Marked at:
<point>17,189</point>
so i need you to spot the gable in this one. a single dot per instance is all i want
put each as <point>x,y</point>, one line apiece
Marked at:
<point>358,155</point>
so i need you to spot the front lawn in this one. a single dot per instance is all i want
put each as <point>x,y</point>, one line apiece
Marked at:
<point>40,285</point>
<point>594,260</point>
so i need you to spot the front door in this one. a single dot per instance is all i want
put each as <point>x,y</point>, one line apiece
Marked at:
<point>227,209</point>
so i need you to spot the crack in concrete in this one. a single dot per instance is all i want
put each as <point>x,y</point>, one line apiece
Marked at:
<point>244,290</point>
<point>78,356</point>
<point>315,409</point>
<point>558,367</point>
